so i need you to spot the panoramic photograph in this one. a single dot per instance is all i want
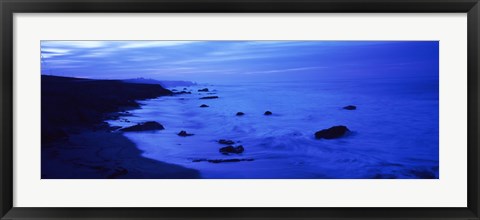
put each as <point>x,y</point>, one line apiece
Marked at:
<point>239,109</point>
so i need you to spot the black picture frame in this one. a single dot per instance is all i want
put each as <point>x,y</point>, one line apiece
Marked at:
<point>9,7</point>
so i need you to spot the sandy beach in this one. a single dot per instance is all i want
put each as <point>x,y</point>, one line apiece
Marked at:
<point>102,154</point>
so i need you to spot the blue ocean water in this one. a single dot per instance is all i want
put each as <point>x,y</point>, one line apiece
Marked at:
<point>394,130</point>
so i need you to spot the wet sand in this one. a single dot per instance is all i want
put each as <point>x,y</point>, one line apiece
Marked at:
<point>103,154</point>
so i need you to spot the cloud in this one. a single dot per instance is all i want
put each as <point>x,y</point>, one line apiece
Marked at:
<point>50,55</point>
<point>144,58</point>
<point>101,49</point>
<point>287,70</point>
<point>103,52</point>
<point>220,59</point>
<point>150,44</point>
<point>73,44</point>
<point>53,52</point>
<point>124,59</point>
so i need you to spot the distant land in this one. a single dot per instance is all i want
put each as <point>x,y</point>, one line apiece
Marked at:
<point>164,83</point>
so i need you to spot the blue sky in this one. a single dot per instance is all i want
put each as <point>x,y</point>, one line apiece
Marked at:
<point>205,61</point>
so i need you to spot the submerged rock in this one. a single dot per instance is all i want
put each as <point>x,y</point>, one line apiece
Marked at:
<point>203,90</point>
<point>268,113</point>
<point>203,106</point>
<point>222,160</point>
<point>232,150</point>
<point>224,141</point>
<point>331,133</point>
<point>210,97</point>
<point>240,113</point>
<point>184,134</point>
<point>145,126</point>
<point>350,107</point>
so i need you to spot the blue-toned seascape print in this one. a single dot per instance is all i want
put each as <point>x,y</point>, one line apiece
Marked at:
<point>240,109</point>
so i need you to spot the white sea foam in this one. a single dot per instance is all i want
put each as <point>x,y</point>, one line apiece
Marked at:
<point>394,131</point>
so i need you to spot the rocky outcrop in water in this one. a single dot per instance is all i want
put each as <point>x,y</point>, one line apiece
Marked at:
<point>232,150</point>
<point>224,141</point>
<point>181,92</point>
<point>210,97</point>
<point>331,133</point>
<point>268,113</point>
<point>203,90</point>
<point>350,107</point>
<point>146,126</point>
<point>223,160</point>
<point>184,134</point>
<point>240,114</point>
<point>203,106</point>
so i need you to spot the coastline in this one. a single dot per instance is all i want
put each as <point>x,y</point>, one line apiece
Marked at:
<point>78,144</point>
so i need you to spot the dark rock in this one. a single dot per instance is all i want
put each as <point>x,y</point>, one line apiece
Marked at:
<point>203,106</point>
<point>146,126</point>
<point>331,133</point>
<point>268,113</point>
<point>233,150</point>
<point>182,92</point>
<point>223,141</point>
<point>174,90</point>
<point>203,90</point>
<point>222,160</point>
<point>184,134</point>
<point>350,107</point>
<point>240,113</point>
<point>210,97</point>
